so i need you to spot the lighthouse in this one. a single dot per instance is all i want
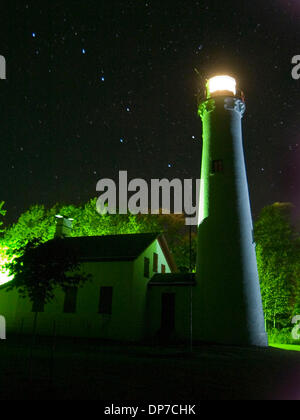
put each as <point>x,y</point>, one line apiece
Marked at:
<point>229,307</point>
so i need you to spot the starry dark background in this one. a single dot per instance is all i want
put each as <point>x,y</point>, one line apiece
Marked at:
<point>95,87</point>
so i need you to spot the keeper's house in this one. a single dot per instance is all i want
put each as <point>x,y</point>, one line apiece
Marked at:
<point>132,294</point>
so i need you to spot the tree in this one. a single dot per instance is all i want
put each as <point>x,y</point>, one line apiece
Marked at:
<point>38,222</point>
<point>278,256</point>
<point>184,250</point>
<point>42,267</point>
<point>4,258</point>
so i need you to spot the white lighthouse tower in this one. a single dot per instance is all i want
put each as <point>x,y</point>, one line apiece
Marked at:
<point>229,307</point>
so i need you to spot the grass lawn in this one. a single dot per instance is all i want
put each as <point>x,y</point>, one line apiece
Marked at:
<point>92,370</point>
<point>292,347</point>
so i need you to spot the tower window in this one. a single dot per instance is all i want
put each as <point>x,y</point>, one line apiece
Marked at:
<point>217,166</point>
<point>163,268</point>
<point>70,300</point>
<point>146,267</point>
<point>155,262</point>
<point>105,300</point>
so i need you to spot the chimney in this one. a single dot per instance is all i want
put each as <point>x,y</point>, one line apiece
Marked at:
<point>63,226</point>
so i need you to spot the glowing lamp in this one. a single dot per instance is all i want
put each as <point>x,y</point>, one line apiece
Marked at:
<point>218,84</point>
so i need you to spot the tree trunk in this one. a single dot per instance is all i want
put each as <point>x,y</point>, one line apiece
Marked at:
<point>34,326</point>
<point>32,344</point>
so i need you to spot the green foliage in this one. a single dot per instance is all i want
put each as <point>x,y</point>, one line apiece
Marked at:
<point>35,223</point>
<point>282,336</point>
<point>39,223</point>
<point>42,267</point>
<point>2,213</point>
<point>4,259</point>
<point>88,222</point>
<point>278,258</point>
<point>182,252</point>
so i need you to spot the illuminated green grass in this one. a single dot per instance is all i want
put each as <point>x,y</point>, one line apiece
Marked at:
<point>286,346</point>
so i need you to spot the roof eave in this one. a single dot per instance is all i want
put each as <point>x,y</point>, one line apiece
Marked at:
<point>167,253</point>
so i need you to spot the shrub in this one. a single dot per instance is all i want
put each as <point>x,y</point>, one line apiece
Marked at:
<point>283,336</point>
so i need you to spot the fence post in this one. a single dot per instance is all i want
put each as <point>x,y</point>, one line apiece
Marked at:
<point>52,354</point>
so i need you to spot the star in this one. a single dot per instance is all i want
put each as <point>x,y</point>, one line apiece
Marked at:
<point>133,85</point>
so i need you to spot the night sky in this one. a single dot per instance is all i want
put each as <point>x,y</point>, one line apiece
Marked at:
<point>95,87</point>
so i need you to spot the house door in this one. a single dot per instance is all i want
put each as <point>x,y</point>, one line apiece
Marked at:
<point>168,312</point>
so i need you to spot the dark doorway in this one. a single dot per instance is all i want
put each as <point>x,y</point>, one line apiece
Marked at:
<point>167,313</point>
<point>105,300</point>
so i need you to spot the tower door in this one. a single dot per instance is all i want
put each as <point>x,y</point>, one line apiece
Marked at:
<point>168,312</point>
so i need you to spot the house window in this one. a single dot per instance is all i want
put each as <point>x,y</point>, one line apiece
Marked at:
<point>146,267</point>
<point>217,166</point>
<point>105,300</point>
<point>155,262</point>
<point>163,268</point>
<point>37,307</point>
<point>70,300</point>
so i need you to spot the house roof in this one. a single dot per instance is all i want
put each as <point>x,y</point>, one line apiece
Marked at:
<point>124,247</point>
<point>173,279</point>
